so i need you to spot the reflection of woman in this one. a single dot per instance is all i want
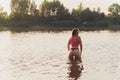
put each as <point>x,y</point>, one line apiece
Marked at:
<point>74,71</point>
<point>76,46</point>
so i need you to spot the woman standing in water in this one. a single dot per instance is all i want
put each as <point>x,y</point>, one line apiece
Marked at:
<point>75,46</point>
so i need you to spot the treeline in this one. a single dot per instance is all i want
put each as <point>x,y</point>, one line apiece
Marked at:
<point>54,13</point>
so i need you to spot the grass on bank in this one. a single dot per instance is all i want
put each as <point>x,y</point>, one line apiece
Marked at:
<point>21,26</point>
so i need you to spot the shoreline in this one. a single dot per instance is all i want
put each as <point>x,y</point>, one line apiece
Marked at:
<point>57,28</point>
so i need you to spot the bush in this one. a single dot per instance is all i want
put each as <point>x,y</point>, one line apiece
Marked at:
<point>102,24</point>
<point>88,24</point>
<point>96,24</point>
<point>66,23</point>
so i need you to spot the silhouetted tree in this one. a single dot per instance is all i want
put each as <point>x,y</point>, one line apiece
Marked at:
<point>53,9</point>
<point>3,15</point>
<point>114,9</point>
<point>114,16</point>
<point>86,16</point>
<point>19,8</point>
<point>33,9</point>
<point>76,12</point>
<point>98,10</point>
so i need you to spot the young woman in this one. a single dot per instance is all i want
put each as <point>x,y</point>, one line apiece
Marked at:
<point>75,46</point>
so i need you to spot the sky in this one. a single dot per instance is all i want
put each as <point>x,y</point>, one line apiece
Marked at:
<point>70,4</point>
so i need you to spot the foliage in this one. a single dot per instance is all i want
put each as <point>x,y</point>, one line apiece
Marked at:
<point>54,10</point>
<point>54,13</point>
<point>114,9</point>
<point>64,23</point>
<point>96,24</point>
<point>76,12</point>
<point>33,9</point>
<point>3,15</point>
<point>19,8</point>
<point>87,15</point>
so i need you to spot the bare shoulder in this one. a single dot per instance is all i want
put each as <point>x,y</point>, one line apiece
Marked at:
<point>70,38</point>
<point>79,38</point>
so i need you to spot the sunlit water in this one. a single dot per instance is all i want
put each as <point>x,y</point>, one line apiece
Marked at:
<point>43,56</point>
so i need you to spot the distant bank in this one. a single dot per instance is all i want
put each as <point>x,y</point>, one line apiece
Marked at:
<point>57,28</point>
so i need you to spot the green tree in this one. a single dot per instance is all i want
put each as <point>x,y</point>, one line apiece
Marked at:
<point>114,16</point>
<point>1,9</point>
<point>19,8</point>
<point>76,12</point>
<point>114,9</point>
<point>80,8</point>
<point>52,8</point>
<point>33,9</point>
<point>90,16</point>
<point>43,7</point>
<point>85,15</point>
<point>3,15</point>
<point>98,10</point>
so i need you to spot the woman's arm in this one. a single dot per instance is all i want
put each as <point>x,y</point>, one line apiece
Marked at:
<point>68,46</point>
<point>80,41</point>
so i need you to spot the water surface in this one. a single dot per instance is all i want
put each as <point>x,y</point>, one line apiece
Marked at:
<point>43,56</point>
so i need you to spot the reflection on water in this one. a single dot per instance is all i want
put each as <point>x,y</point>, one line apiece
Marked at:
<point>74,70</point>
<point>43,56</point>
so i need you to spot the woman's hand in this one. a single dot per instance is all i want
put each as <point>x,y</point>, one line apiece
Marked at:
<point>80,53</point>
<point>68,49</point>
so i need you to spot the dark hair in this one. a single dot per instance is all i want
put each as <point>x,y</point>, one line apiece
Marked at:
<point>74,31</point>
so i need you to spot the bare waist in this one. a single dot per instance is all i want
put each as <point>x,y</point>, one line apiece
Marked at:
<point>74,48</point>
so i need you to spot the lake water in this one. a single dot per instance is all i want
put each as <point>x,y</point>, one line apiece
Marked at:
<point>43,56</point>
